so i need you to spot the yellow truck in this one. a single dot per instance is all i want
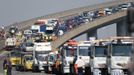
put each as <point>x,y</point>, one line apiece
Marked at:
<point>25,63</point>
<point>14,57</point>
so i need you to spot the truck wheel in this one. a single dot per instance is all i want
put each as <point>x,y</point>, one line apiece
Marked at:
<point>21,68</point>
<point>35,69</point>
<point>17,68</point>
<point>87,70</point>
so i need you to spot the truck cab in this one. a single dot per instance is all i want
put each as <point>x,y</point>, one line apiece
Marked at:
<point>39,26</point>
<point>68,53</point>
<point>99,57</point>
<point>14,57</point>
<point>50,25</point>
<point>119,54</point>
<point>10,43</point>
<point>40,55</point>
<point>25,63</point>
<point>84,51</point>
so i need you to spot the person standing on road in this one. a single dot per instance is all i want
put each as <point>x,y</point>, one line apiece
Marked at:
<point>80,65</point>
<point>9,71</point>
<point>5,66</point>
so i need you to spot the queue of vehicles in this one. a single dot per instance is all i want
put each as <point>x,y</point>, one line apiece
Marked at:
<point>100,56</point>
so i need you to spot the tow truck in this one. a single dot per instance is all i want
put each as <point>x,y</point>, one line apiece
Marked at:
<point>119,55</point>
<point>25,63</point>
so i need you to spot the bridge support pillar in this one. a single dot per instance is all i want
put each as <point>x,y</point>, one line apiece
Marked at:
<point>122,27</point>
<point>130,20</point>
<point>92,33</point>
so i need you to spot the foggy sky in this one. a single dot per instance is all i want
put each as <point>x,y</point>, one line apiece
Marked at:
<point>19,10</point>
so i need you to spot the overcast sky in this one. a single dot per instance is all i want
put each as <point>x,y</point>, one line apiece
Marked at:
<point>19,10</point>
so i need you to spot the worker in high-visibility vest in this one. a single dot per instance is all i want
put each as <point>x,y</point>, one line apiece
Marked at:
<point>57,64</point>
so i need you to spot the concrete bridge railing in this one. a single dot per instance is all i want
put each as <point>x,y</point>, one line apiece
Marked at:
<point>87,26</point>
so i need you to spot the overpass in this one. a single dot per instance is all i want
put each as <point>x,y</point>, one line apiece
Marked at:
<point>88,27</point>
<point>69,13</point>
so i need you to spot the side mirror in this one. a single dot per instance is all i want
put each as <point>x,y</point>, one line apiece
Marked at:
<point>105,52</point>
<point>89,53</point>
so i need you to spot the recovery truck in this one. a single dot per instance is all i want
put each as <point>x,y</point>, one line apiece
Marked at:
<point>25,63</point>
<point>68,53</point>
<point>119,55</point>
<point>40,53</point>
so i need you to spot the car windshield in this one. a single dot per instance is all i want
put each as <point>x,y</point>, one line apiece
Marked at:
<point>71,51</point>
<point>121,49</point>
<point>100,51</point>
<point>84,50</point>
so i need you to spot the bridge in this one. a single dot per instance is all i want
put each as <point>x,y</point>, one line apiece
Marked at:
<point>100,22</point>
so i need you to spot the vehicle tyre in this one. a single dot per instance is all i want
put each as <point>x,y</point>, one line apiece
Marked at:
<point>17,67</point>
<point>35,69</point>
<point>21,68</point>
<point>46,69</point>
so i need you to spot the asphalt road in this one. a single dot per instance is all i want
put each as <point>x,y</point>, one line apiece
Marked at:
<point>21,73</point>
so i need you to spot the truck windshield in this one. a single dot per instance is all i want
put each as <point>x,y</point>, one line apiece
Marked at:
<point>71,51</point>
<point>34,31</point>
<point>84,50</point>
<point>29,58</point>
<point>15,54</point>
<point>121,49</point>
<point>29,44</point>
<point>100,51</point>
<point>42,57</point>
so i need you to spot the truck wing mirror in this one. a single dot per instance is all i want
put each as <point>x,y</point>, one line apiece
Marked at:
<point>89,53</point>
<point>105,52</point>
